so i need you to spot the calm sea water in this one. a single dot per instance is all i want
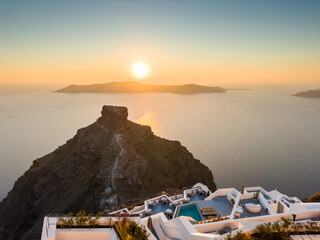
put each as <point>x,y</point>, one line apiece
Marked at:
<point>254,137</point>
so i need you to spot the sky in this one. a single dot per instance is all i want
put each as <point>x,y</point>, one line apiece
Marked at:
<point>206,42</point>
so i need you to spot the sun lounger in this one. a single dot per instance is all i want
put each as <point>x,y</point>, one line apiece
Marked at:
<point>210,211</point>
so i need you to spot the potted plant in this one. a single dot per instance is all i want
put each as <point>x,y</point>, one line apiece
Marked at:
<point>256,196</point>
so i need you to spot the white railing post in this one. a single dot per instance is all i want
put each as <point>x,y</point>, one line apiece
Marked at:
<point>47,227</point>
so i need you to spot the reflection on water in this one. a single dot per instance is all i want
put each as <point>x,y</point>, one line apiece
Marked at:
<point>263,138</point>
<point>148,118</point>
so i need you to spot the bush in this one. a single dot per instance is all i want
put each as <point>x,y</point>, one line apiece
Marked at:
<point>129,229</point>
<point>66,221</point>
<point>279,230</point>
<point>82,219</point>
<point>239,236</point>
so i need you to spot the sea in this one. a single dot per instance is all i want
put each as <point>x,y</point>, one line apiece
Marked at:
<point>258,137</point>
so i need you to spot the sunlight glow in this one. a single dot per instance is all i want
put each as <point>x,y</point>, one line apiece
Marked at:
<point>140,70</point>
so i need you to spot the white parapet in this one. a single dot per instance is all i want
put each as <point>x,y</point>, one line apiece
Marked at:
<point>278,205</point>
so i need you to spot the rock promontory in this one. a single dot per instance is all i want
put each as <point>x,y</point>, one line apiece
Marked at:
<point>313,198</point>
<point>309,94</point>
<point>107,163</point>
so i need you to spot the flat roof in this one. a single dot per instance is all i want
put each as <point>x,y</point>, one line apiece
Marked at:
<point>221,203</point>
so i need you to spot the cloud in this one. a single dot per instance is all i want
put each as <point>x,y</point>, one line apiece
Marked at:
<point>4,59</point>
<point>49,60</point>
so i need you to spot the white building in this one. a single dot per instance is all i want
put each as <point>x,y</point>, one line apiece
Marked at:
<point>198,214</point>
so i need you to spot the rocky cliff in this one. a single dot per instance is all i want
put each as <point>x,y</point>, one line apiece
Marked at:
<point>105,164</point>
<point>313,198</point>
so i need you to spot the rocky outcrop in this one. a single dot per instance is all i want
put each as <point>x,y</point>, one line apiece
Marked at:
<point>309,94</point>
<point>104,165</point>
<point>135,87</point>
<point>313,198</point>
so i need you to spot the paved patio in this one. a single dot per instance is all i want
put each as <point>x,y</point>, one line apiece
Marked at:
<point>222,205</point>
<point>246,214</point>
<point>198,197</point>
<point>160,207</point>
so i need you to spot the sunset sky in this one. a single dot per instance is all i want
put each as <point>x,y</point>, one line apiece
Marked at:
<point>206,41</point>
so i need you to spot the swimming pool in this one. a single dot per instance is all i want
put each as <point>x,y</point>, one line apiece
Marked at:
<point>190,210</point>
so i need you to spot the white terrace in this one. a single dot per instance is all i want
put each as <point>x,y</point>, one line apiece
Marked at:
<point>199,214</point>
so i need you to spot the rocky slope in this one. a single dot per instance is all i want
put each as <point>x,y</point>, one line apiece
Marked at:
<point>105,164</point>
<point>135,87</point>
<point>309,94</point>
<point>313,198</point>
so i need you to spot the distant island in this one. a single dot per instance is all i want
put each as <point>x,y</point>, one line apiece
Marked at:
<point>309,94</point>
<point>135,87</point>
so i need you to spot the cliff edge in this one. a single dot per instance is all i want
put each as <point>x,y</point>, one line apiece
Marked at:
<point>108,163</point>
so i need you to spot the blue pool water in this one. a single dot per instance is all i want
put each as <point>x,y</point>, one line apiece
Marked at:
<point>190,210</point>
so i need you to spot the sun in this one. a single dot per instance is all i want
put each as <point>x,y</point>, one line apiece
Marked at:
<point>140,70</point>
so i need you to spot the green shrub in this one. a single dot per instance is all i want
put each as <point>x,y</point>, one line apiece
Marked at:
<point>129,229</point>
<point>82,219</point>
<point>279,230</point>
